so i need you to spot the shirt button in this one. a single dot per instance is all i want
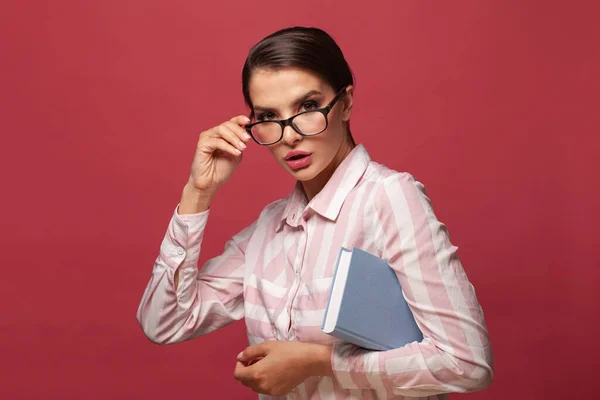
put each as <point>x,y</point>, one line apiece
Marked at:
<point>179,251</point>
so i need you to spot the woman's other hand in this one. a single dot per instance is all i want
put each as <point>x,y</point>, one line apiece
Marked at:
<point>277,367</point>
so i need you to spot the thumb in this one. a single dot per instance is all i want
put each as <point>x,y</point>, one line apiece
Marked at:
<point>252,352</point>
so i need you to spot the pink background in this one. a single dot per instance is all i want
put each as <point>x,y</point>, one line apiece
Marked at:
<point>493,105</point>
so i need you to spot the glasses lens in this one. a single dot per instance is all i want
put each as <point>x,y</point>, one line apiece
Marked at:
<point>310,123</point>
<point>267,132</point>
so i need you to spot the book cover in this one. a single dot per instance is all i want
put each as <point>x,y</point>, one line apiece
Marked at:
<point>366,304</point>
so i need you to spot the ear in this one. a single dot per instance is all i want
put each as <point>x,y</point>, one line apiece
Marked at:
<point>347,101</point>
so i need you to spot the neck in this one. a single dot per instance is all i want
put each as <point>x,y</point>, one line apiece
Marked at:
<point>316,184</point>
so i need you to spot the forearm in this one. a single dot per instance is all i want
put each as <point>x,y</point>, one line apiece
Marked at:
<point>192,202</point>
<point>167,292</point>
<point>202,301</point>
<point>417,369</point>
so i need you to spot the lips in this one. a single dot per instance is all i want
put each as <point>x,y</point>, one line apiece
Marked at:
<point>296,155</point>
<point>298,159</point>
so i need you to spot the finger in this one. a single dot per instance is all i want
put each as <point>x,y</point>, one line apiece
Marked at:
<point>240,120</point>
<point>252,352</point>
<point>244,374</point>
<point>239,131</point>
<point>214,143</point>
<point>238,371</point>
<point>232,137</point>
<point>254,360</point>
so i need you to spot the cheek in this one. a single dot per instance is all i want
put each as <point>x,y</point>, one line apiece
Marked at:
<point>276,153</point>
<point>327,144</point>
<point>335,123</point>
<point>333,133</point>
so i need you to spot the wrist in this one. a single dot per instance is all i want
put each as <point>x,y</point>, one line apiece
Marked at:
<point>201,193</point>
<point>194,201</point>
<point>320,360</point>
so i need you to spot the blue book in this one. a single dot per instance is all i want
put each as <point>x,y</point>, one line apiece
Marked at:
<point>366,305</point>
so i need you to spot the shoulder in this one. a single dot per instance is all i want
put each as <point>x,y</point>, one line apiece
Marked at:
<point>395,190</point>
<point>389,179</point>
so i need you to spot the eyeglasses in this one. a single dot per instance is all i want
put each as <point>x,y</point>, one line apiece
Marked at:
<point>306,123</point>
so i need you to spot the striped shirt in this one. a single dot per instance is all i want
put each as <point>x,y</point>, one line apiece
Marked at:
<point>277,272</point>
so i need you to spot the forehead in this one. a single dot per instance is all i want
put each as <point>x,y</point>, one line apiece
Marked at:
<point>273,88</point>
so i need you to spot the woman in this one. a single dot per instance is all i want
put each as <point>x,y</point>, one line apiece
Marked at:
<point>277,272</point>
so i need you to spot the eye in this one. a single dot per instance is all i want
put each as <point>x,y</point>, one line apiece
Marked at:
<point>265,116</point>
<point>310,105</point>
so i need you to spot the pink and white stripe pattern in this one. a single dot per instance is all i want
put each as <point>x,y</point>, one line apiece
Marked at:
<point>277,272</point>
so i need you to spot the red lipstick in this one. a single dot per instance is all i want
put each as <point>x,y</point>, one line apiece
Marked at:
<point>297,159</point>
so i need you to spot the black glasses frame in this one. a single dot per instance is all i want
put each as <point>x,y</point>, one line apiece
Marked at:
<point>289,122</point>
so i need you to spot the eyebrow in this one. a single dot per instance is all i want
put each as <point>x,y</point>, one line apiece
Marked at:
<point>299,100</point>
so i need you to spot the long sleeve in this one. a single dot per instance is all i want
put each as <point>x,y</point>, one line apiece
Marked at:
<point>204,300</point>
<point>455,354</point>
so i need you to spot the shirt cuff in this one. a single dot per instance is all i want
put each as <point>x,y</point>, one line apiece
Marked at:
<point>183,238</point>
<point>190,218</point>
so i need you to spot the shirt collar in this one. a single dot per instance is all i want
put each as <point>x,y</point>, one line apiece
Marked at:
<point>328,202</point>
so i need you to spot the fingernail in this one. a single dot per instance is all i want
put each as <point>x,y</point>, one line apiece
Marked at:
<point>239,356</point>
<point>246,135</point>
<point>242,145</point>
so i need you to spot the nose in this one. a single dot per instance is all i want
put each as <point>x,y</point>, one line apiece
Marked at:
<point>290,136</point>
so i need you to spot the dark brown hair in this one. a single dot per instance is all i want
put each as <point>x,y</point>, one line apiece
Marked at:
<point>299,47</point>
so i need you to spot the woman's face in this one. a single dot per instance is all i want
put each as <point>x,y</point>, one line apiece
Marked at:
<point>280,94</point>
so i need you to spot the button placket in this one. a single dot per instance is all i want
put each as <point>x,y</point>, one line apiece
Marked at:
<point>297,271</point>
